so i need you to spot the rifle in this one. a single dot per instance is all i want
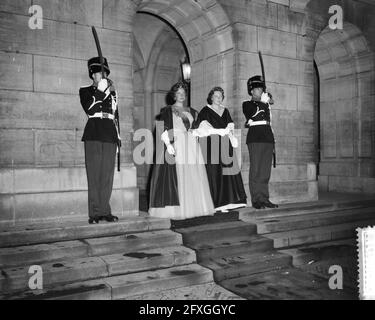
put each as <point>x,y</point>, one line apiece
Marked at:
<point>265,90</point>
<point>117,120</point>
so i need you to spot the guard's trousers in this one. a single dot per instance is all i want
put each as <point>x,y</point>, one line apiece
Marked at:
<point>261,155</point>
<point>100,166</point>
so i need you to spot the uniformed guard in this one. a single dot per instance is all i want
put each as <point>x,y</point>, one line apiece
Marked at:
<point>260,141</point>
<point>101,138</point>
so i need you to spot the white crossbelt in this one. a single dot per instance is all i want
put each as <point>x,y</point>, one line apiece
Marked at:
<point>103,115</point>
<point>259,123</point>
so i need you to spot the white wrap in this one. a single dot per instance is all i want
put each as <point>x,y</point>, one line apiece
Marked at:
<point>205,129</point>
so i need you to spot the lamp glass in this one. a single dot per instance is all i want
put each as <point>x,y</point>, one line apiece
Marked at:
<point>186,71</point>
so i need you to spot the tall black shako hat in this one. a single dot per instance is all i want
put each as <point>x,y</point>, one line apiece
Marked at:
<point>94,66</point>
<point>255,82</point>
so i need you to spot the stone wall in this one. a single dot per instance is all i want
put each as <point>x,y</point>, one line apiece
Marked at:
<point>346,63</point>
<point>41,119</point>
<point>279,32</point>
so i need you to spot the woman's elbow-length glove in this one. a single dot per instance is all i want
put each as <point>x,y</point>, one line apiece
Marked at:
<point>165,139</point>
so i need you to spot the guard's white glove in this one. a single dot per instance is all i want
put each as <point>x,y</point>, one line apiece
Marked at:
<point>171,150</point>
<point>103,85</point>
<point>265,98</point>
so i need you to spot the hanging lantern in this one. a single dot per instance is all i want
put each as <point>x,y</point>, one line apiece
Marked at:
<point>186,70</point>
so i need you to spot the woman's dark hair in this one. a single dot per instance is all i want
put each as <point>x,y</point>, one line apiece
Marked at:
<point>174,89</point>
<point>211,93</point>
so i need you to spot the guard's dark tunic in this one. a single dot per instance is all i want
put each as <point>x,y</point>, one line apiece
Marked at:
<point>225,188</point>
<point>260,141</point>
<point>94,101</point>
<point>258,111</point>
<point>100,137</point>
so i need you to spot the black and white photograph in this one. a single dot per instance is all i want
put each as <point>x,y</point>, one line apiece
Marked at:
<point>197,153</point>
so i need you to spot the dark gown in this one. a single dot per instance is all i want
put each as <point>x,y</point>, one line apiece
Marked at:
<point>227,190</point>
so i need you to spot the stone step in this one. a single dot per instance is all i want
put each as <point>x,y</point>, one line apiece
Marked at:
<point>86,290</point>
<point>216,231</point>
<point>90,268</point>
<point>286,284</point>
<point>319,234</point>
<point>218,217</point>
<point>154,281</point>
<point>40,253</point>
<point>251,215</point>
<point>150,259</point>
<point>267,225</point>
<point>348,264</point>
<point>316,252</point>
<point>133,242</point>
<point>206,291</point>
<point>54,273</point>
<point>247,264</point>
<point>125,286</point>
<point>47,233</point>
<point>230,247</point>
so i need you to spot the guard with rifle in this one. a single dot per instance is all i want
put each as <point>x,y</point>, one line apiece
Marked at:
<point>260,140</point>
<point>101,137</point>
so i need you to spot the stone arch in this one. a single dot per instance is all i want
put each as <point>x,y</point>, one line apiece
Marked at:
<point>345,63</point>
<point>359,13</point>
<point>156,68</point>
<point>207,34</point>
<point>202,24</point>
<point>205,31</point>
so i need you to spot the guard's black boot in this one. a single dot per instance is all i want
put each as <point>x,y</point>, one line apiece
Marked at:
<point>94,220</point>
<point>110,218</point>
<point>269,204</point>
<point>258,205</point>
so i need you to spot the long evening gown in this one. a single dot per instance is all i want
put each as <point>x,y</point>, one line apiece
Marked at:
<point>194,197</point>
<point>227,190</point>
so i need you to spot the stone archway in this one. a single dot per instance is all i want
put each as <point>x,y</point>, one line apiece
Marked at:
<point>205,29</point>
<point>345,60</point>
<point>346,69</point>
<point>157,54</point>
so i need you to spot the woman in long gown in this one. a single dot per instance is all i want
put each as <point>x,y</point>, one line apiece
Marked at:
<point>224,176</point>
<point>179,186</point>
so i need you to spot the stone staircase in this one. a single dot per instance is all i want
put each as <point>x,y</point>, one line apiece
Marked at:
<point>232,249</point>
<point>136,258</point>
<point>317,235</point>
<point>281,253</point>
